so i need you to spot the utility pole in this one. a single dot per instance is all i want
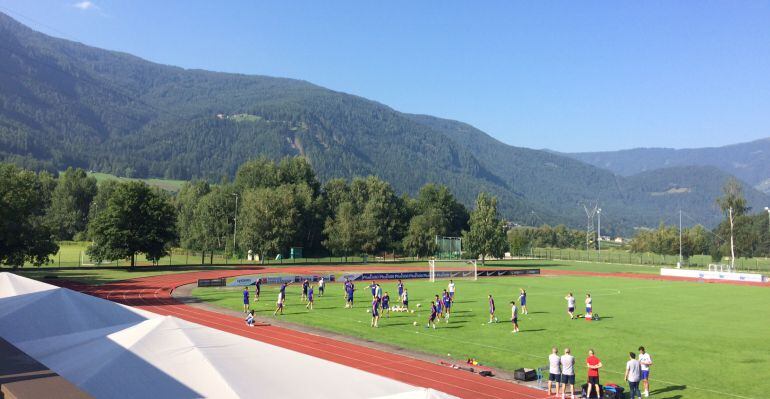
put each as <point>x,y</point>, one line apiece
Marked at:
<point>235,224</point>
<point>599,234</point>
<point>732,243</point>
<point>681,260</point>
<point>590,212</point>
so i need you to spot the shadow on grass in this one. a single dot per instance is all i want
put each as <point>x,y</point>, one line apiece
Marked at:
<point>670,388</point>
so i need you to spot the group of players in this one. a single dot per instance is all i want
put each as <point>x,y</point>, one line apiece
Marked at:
<point>561,370</point>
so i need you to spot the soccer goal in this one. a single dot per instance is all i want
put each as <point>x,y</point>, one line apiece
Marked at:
<point>453,269</point>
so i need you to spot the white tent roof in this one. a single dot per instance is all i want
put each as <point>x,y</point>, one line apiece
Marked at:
<point>114,351</point>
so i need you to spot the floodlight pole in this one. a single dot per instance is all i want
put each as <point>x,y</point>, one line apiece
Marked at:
<point>732,242</point>
<point>235,223</point>
<point>680,237</point>
<point>599,234</point>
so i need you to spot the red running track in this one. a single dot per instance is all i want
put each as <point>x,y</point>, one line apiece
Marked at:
<point>154,294</point>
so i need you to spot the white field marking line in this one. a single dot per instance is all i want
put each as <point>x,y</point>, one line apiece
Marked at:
<point>184,312</point>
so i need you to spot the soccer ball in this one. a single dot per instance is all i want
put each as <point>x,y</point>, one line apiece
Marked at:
<point>414,324</point>
<point>418,305</point>
<point>412,310</point>
<point>368,311</point>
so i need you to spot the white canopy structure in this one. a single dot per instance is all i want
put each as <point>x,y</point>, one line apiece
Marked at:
<point>115,351</point>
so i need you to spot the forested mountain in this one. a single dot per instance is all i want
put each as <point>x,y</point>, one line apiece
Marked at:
<point>66,104</point>
<point>749,162</point>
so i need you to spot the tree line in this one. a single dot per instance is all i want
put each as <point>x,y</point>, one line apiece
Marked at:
<point>268,208</point>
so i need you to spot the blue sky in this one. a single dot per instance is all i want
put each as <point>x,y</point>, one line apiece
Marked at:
<point>570,76</point>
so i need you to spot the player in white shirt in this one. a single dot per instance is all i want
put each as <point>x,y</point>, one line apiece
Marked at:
<point>646,360</point>
<point>451,288</point>
<point>570,305</point>
<point>589,306</point>
<point>554,370</point>
<point>514,317</point>
<point>567,373</point>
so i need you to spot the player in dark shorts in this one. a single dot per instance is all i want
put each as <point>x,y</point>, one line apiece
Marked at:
<point>492,318</point>
<point>349,300</point>
<point>309,299</point>
<point>439,307</point>
<point>305,286</point>
<point>400,289</point>
<point>514,317</point>
<point>385,301</point>
<point>447,306</point>
<point>433,315</point>
<point>279,304</point>
<point>375,311</point>
<point>246,300</point>
<point>405,299</point>
<point>593,364</point>
<point>257,289</point>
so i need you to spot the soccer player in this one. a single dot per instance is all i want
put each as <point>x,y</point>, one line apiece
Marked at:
<point>375,311</point>
<point>646,361</point>
<point>433,315</point>
<point>321,286</point>
<point>250,319</point>
<point>400,289</point>
<point>451,287</point>
<point>405,299</point>
<point>593,364</point>
<point>378,291</point>
<point>567,373</point>
<point>554,370</point>
<point>523,301</point>
<point>279,304</point>
<point>589,307</point>
<point>373,286</point>
<point>350,290</point>
<point>492,317</point>
<point>447,306</point>
<point>633,375</point>
<point>439,307</point>
<point>245,299</point>
<point>570,305</point>
<point>305,286</point>
<point>309,298</point>
<point>514,317</point>
<point>257,289</point>
<point>385,301</point>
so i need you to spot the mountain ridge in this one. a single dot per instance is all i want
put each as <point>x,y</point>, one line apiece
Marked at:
<point>68,104</point>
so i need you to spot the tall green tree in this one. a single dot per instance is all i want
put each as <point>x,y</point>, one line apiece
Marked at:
<point>136,219</point>
<point>269,219</point>
<point>186,203</point>
<point>211,222</point>
<point>487,232</point>
<point>733,205</point>
<point>24,234</point>
<point>420,239</point>
<point>70,203</point>
<point>344,232</point>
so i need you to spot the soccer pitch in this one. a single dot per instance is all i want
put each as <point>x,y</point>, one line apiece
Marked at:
<point>706,340</point>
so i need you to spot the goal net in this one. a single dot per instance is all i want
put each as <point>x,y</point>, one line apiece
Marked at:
<point>453,269</point>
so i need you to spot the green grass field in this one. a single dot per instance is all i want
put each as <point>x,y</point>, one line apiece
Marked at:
<point>165,184</point>
<point>707,340</point>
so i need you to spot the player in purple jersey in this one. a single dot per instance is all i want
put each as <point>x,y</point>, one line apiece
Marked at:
<point>439,307</point>
<point>385,301</point>
<point>257,289</point>
<point>492,318</point>
<point>400,289</point>
<point>433,315</point>
<point>246,300</point>
<point>310,299</point>
<point>375,311</point>
<point>447,306</point>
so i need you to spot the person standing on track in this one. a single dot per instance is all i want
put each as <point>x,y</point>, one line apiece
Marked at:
<point>321,284</point>
<point>554,370</point>
<point>570,305</point>
<point>492,318</point>
<point>451,288</point>
<point>593,364</point>
<point>523,301</point>
<point>567,373</point>
<point>646,361</point>
<point>514,317</point>
<point>633,375</point>
<point>257,289</point>
<point>245,299</point>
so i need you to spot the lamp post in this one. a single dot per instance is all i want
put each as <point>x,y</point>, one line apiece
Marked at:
<point>599,233</point>
<point>235,224</point>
